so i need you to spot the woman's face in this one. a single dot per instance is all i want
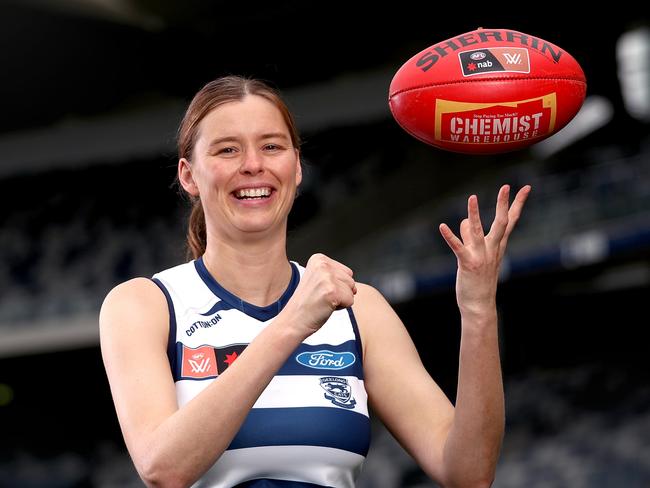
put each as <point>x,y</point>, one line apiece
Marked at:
<point>244,168</point>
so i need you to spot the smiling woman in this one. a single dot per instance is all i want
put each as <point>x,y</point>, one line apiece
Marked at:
<point>241,368</point>
<point>228,145</point>
<point>244,166</point>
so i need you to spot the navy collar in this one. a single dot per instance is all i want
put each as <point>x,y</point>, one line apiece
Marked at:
<point>260,313</point>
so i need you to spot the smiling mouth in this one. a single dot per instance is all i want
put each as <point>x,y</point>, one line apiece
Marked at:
<point>253,193</point>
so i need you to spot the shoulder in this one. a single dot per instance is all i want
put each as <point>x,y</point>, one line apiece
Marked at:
<point>135,292</point>
<point>375,317</point>
<point>369,301</point>
<point>138,302</point>
<point>368,292</point>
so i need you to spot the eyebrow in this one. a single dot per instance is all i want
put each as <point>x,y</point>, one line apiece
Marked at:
<point>270,135</point>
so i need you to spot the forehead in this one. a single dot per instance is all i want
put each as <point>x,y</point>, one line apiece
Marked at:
<point>250,116</point>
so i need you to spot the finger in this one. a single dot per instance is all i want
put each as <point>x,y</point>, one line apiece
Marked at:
<point>345,289</point>
<point>340,266</point>
<point>347,281</point>
<point>475,225</point>
<point>465,232</point>
<point>330,263</point>
<point>515,209</point>
<point>513,216</point>
<point>346,300</point>
<point>453,242</point>
<point>500,223</point>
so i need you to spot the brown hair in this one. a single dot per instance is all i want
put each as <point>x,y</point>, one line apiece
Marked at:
<point>216,93</point>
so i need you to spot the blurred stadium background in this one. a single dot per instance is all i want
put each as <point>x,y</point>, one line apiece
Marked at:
<point>91,95</point>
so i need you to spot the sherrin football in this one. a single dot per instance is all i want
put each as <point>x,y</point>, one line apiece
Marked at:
<point>487,91</point>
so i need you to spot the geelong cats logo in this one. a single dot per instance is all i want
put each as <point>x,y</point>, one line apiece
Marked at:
<point>338,391</point>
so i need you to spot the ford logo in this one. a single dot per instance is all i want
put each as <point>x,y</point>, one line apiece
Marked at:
<point>478,55</point>
<point>326,359</point>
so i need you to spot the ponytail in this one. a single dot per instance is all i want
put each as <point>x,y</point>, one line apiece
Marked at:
<point>196,234</point>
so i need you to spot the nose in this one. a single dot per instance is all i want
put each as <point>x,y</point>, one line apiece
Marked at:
<point>252,163</point>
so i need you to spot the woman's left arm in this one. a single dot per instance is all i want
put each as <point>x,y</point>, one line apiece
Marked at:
<point>472,447</point>
<point>458,447</point>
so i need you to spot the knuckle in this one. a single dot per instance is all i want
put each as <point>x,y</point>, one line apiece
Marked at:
<point>474,264</point>
<point>317,257</point>
<point>329,291</point>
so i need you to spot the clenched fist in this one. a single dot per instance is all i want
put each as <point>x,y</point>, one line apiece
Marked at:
<point>325,286</point>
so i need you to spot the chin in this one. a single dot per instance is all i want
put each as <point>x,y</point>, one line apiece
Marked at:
<point>257,226</point>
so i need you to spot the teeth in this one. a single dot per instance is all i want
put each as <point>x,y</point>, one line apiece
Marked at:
<point>253,192</point>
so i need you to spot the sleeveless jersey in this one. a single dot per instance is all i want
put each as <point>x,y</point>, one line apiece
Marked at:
<point>310,426</point>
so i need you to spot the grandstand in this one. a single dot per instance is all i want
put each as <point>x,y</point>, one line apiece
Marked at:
<point>88,201</point>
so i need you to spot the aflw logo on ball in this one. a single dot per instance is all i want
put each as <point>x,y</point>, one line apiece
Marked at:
<point>495,123</point>
<point>489,60</point>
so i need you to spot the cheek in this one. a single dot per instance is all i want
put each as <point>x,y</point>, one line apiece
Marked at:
<point>211,181</point>
<point>291,172</point>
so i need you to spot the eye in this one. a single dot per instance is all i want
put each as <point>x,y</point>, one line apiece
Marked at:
<point>226,150</point>
<point>272,147</point>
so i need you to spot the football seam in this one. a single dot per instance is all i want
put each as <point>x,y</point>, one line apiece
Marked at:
<point>431,85</point>
<point>390,105</point>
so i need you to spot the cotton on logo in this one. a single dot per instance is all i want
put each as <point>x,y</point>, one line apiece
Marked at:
<point>199,363</point>
<point>512,58</point>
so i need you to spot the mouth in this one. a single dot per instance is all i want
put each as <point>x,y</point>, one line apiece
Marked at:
<point>260,193</point>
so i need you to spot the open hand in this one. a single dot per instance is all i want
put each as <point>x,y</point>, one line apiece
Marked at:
<point>479,256</point>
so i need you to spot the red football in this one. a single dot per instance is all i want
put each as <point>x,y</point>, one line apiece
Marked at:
<point>487,91</point>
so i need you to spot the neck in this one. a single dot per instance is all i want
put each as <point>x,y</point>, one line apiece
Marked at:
<point>257,271</point>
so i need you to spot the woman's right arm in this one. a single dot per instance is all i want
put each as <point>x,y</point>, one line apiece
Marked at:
<point>175,447</point>
<point>171,446</point>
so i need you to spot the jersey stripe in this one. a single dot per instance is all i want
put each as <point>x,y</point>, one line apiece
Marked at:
<point>218,307</point>
<point>171,352</point>
<point>267,483</point>
<point>306,391</point>
<point>319,359</point>
<point>287,392</point>
<point>291,463</point>
<point>312,426</point>
<point>357,335</point>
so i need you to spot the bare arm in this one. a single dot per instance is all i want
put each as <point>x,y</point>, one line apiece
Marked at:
<point>400,390</point>
<point>456,447</point>
<point>172,447</point>
<point>175,447</point>
<point>472,449</point>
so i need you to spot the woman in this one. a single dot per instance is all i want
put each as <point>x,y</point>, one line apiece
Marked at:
<point>241,368</point>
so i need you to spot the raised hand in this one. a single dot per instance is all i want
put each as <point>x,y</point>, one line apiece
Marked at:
<point>479,256</point>
<point>325,286</point>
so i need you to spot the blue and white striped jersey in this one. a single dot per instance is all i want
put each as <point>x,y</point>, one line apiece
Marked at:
<point>310,426</point>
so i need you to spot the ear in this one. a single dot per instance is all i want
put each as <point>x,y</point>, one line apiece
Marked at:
<point>298,169</point>
<point>186,178</point>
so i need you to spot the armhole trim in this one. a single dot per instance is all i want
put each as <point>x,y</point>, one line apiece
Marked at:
<point>171,339</point>
<point>357,335</point>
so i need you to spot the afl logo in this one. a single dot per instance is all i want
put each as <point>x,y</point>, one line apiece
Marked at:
<point>326,359</point>
<point>477,56</point>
